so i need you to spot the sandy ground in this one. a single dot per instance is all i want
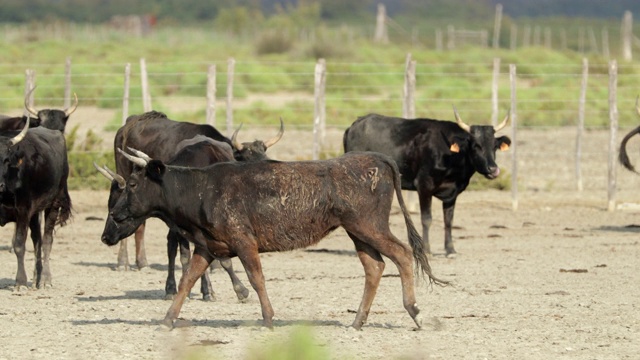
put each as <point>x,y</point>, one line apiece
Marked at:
<point>556,279</point>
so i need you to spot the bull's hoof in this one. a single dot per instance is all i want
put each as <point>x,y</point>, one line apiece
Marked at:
<point>452,255</point>
<point>166,324</point>
<point>142,265</point>
<point>169,296</point>
<point>122,268</point>
<point>208,297</point>
<point>242,294</point>
<point>418,320</point>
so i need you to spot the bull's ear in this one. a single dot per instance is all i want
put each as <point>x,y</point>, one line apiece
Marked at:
<point>503,143</point>
<point>155,170</point>
<point>17,158</point>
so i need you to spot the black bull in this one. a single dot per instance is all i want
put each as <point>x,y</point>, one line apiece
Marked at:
<point>435,158</point>
<point>199,151</point>
<point>158,136</point>
<point>242,209</point>
<point>33,178</point>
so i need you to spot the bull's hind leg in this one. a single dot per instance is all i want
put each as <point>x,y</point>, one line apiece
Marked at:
<point>383,241</point>
<point>373,267</point>
<point>197,266</point>
<point>50,218</point>
<point>250,259</point>
<point>36,238</point>
<point>241,291</point>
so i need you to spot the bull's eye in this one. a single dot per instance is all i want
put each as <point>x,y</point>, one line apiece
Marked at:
<point>132,185</point>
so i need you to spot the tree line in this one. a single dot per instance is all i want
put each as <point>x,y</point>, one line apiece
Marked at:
<point>98,11</point>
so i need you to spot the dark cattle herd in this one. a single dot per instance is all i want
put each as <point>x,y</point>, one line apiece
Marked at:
<point>229,199</point>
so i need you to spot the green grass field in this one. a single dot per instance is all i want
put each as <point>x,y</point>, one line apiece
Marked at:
<point>362,77</point>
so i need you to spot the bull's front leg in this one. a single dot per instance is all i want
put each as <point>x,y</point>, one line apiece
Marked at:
<point>141,255</point>
<point>123,256</point>
<point>19,248</point>
<point>448,207</point>
<point>197,266</point>
<point>172,250</point>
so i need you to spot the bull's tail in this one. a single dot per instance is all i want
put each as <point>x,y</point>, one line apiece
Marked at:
<point>63,204</point>
<point>417,246</point>
<point>623,157</point>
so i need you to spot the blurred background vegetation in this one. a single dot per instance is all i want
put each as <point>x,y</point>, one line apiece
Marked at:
<point>276,44</point>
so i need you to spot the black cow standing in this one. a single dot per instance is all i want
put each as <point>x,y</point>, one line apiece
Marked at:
<point>33,179</point>
<point>158,136</point>
<point>245,208</point>
<point>197,152</point>
<point>435,158</point>
<point>53,119</point>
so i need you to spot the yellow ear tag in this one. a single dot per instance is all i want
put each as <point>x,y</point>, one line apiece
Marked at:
<point>504,147</point>
<point>19,161</point>
<point>454,148</point>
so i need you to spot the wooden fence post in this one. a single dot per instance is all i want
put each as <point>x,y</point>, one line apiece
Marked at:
<point>496,26</point>
<point>627,34</point>
<point>319,111</point>
<point>29,84</point>
<point>381,35</point>
<point>125,98</point>
<point>613,130</point>
<point>211,95</point>
<point>231,65</point>
<point>494,91</point>
<point>581,108</point>
<point>605,43</point>
<point>514,147</point>
<point>67,83</point>
<point>409,89</point>
<point>146,96</point>
<point>514,37</point>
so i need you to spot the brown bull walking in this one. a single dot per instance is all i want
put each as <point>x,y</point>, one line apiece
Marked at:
<point>243,209</point>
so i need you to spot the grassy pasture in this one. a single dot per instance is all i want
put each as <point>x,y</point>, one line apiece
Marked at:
<point>362,77</point>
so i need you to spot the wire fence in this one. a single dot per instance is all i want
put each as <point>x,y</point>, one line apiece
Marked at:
<point>548,97</point>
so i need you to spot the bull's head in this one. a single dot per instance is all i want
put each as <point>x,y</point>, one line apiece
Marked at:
<point>141,189</point>
<point>482,145</point>
<point>254,151</point>
<point>114,232</point>
<point>51,118</point>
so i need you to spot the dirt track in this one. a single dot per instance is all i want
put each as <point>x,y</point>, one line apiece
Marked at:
<point>558,278</point>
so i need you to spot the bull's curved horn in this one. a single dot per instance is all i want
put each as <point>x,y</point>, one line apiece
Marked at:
<point>140,154</point>
<point>116,177</point>
<point>503,123</point>
<point>30,109</point>
<point>68,111</point>
<point>461,123</point>
<point>134,159</point>
<point>276,138</point>
<point>111,175</point>
<point>16,139</point>
<point>234,141</point>
<point>102,171</point>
